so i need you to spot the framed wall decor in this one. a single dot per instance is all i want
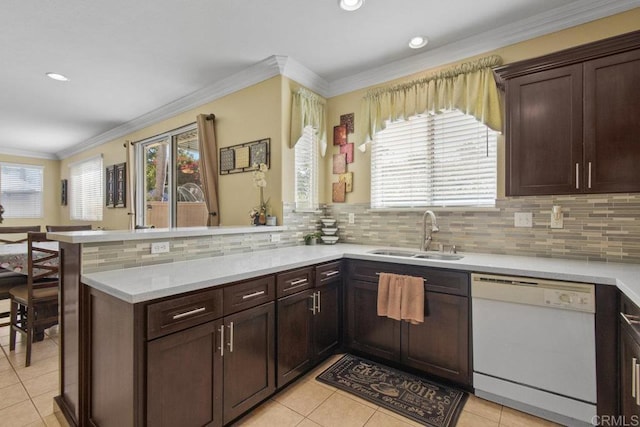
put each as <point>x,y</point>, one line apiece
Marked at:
<point>339,135</point>
<point>120,199</point>
<point>109,180</point>
<point>242,157</point>
<point>116,186</point>
<point>63,192</point>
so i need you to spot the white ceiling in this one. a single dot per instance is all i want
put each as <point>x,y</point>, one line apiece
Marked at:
<point>128,58</point>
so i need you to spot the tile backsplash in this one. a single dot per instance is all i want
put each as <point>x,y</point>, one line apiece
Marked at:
<point>596,227</point>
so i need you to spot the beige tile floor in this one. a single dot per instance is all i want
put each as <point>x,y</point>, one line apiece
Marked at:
<point>308,403</point>
<point>26,398</point>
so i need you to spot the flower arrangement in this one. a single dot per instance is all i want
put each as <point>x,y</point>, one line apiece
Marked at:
<point>259,214</point>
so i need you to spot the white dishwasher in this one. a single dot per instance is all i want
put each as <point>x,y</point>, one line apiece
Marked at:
<point>534,346</point>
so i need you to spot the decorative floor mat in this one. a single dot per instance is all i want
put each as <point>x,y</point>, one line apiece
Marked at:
<point>408,395</point>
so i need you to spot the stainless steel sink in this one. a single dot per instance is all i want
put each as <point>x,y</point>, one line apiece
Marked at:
<point>418,255</point>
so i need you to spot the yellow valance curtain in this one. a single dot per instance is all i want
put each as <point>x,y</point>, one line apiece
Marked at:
<point>308,109</point>
<point>468,87</point>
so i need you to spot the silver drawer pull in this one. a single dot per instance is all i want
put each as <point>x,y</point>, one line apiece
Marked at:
<point>331,273</point>
<point>188,313</point>
<point>630,319</point>
<point>222,340</point>
<point>313,303</point>
<point>255,294</point>
<point>298,282</point>
<point>425,280</point>
<point>577,176</point>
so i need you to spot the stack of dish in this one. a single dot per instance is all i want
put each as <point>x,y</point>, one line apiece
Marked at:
<point>329,231</point>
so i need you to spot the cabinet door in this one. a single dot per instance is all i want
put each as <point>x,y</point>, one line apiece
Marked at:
<point>612,125</point>
<point>440,345</point>
<point>184,383</point>
<point>295,349</point>
<point>629,376</point>
<point>366,331</point>
<point>327,320</point>
<point>544,132</point>
<point>249,359</point>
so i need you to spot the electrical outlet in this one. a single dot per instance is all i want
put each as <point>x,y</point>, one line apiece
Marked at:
<point>352,218</point>
<point>159,247</point>
<point>557,221</point>
<point>275,238</point>
<point>523,219</point>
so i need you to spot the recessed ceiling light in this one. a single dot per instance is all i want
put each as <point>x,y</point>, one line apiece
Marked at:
<point>350,5</point>
<point>418,42</point>
<point>59,77</point>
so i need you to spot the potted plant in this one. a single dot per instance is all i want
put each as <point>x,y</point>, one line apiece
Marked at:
<point>311,238</point>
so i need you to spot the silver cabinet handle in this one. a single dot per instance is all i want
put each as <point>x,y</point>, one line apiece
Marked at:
<point>230,337</point>
<point>313,303</point>
<point>634,366</point>
<point>589,177</point>
<point>255,294</point>
<point>188,313</point>
<point>331,273</point>
<point>577,176</point>
<point>298,282</point>
<point>637,385</point>
<point>318,302</point>
<point>630,319</point>
<point>221,340</point>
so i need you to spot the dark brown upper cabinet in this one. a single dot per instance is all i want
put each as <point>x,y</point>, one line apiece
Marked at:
<point>572,120</point>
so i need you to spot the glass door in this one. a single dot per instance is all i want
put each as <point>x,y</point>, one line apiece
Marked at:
<point>156,194</point>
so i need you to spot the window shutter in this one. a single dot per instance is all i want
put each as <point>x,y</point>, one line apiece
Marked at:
<point>86,189</point>
<point>306,170</point>
<point>21,190</point>
<point>446,159</point>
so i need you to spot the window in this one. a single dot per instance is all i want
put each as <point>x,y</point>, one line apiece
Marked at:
<point>21,190</point>
<point>171,181</point>
<point>306,170</point>
<point>86,184</point>
<point>446,159</point>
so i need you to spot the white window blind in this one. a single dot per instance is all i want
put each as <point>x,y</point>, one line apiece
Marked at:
<point>21,190</point>
<point>446,159</point>
<point>86,183</point>
<point>306,170</point>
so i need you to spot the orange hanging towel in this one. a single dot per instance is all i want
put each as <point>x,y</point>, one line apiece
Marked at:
<point>401,297</point>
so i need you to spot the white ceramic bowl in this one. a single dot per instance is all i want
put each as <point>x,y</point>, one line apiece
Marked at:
<point>329,240</point>
<point>329,231</point>
<point>328,222</point>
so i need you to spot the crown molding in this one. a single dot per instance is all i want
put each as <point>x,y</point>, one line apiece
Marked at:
<point>570,15</point>
<point>294,70</point>
<point>261,71</point>
<point>27,153</point>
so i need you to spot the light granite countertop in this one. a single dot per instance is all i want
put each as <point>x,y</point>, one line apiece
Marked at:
<point>150,282</point>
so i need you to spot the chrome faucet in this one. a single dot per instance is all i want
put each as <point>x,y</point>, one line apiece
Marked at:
<point>426,239</point>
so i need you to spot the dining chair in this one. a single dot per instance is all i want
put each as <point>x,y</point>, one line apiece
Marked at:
<point>35,305</point>
<point>10,279</point>
<point>68,227</point>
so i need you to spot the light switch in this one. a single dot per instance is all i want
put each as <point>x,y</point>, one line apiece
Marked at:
<point>523,219</point>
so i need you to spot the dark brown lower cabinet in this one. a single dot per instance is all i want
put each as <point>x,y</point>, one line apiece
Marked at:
<point>438,346</point>
<point>184,378</point>
<point>295,323</point>
<point>366,331</point>
<point>326,322</point>
<point>308,329</point>
<point>629,376</point>
<point>249,359</point>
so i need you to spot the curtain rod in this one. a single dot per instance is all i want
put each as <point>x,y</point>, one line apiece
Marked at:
<point>208,117</point>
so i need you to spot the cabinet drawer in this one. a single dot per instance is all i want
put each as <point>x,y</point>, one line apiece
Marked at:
<point>437,280</point>
<point>183,312</point>
<point>328,273</point>
<point>251,293</point>
<point>294,281</point>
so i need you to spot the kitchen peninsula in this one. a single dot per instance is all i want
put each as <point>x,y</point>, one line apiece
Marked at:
<point>114,320</point>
